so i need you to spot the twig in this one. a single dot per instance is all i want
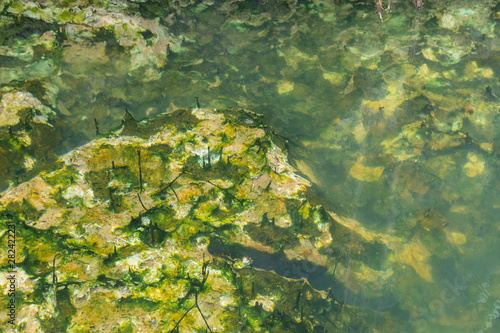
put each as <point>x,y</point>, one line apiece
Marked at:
<point>198,307</point>
<point>140,169</point>
<point>175,194</point>
<point>198,288</point>
<point>185,314</point>
<point>138,197</point>
<point>96,127</point>
<point>169,185</point>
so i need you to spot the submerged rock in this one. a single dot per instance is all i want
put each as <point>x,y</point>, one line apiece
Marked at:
<point>188,221</point>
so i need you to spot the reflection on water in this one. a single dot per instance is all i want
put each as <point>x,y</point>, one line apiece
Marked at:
<point>396,123</point>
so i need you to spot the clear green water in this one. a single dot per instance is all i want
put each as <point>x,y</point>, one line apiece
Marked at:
<point>396,123</point>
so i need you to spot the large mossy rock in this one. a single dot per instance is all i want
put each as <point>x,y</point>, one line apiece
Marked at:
<point>188,221</point>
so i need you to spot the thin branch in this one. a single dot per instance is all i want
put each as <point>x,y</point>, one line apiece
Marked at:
<point>138,197</point>
<point>140,169</point>
<point>175,194</point>
<point>198,307</point>
<point>169,185</point>
<point>185,314</point>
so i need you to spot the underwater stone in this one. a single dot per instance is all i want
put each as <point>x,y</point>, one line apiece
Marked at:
<point>150,248</point>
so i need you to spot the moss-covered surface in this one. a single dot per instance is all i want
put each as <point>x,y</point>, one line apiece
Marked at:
<point>134,230</point>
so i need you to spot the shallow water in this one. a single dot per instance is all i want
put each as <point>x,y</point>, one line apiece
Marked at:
<point>395,123</point>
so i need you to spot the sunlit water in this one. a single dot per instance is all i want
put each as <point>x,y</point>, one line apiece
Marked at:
<point>395,122</point>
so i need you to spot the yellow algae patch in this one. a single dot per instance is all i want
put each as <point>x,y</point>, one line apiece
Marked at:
<point>449,74</point>
<point>293,56</point>
<point>356,226</point>
<point>429,54</point>
<point>364,173</point>
<point>456,238</point>
<point>425,71</point>
<point>487,73</point>
<point>447,103</point>
<point>475,166</point>
<point>460,209</point>
<point>359,132</point>
<point>284,87</point>
<point>472,70</point>
<point>416,256</point>
<point>265,80</point>
<point>413,254</point>
<point>306,170</point>
<point>334,78</point>
<point>388,105</point>
<point>488,146</point>
<point>350,86</point>
<point>360,277</point>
